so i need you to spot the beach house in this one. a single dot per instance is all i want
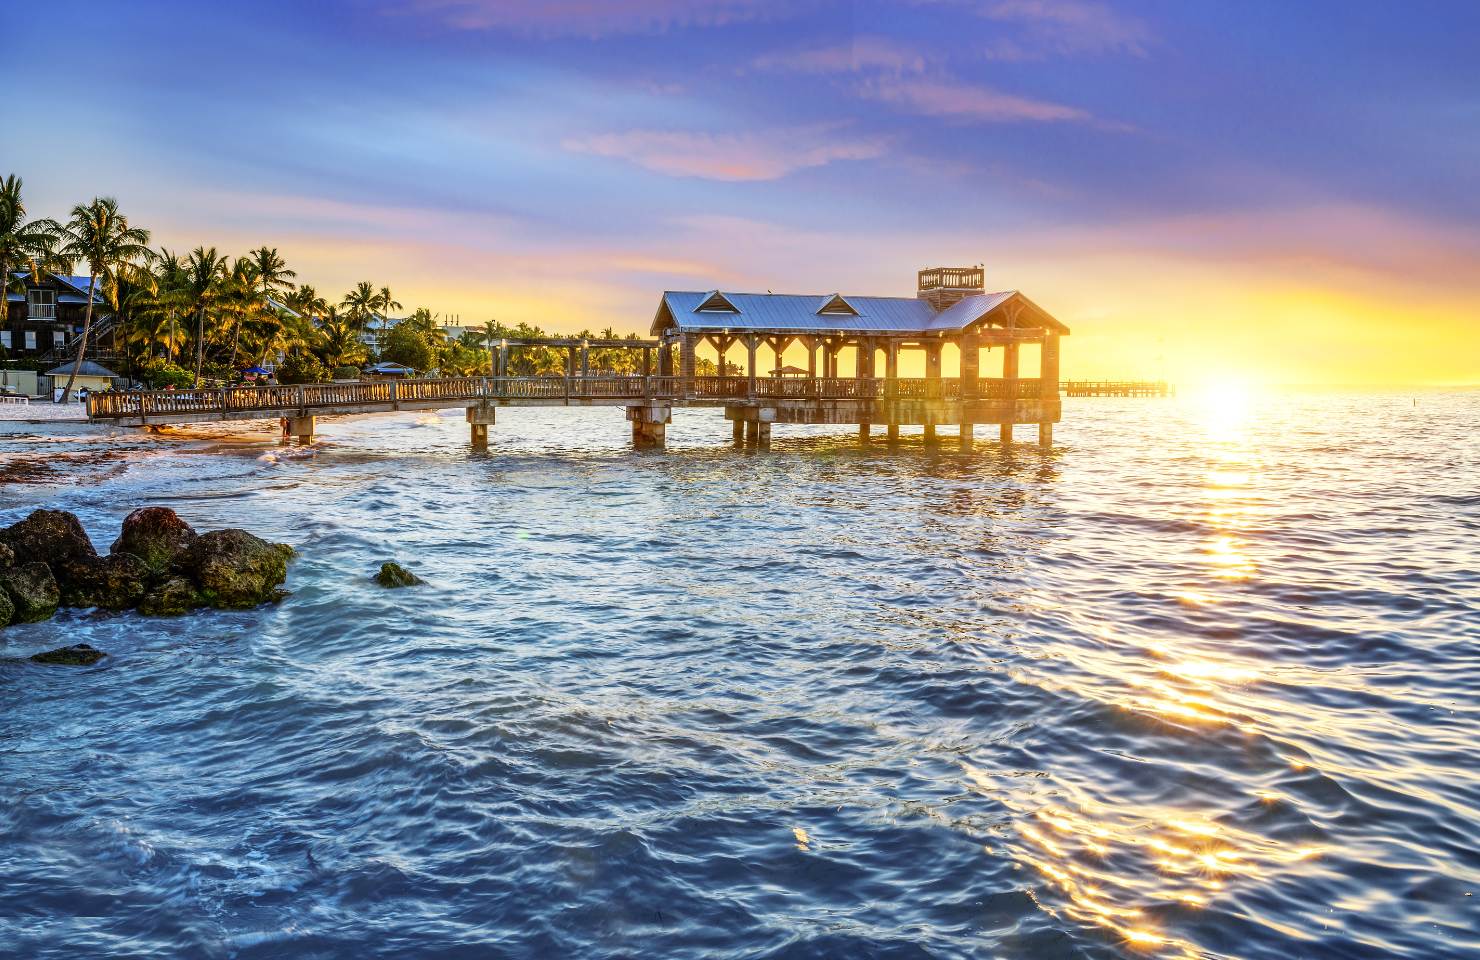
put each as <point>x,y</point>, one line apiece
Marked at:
<point>45,312</point>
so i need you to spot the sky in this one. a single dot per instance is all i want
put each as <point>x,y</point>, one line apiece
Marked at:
<point>1260,191</point>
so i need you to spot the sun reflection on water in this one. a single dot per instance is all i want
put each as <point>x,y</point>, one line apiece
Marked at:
<point>1133,875</point>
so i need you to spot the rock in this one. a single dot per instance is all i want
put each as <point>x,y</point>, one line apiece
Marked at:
<point>170,599</point>
<point>7,609</point>
<point>115,582</point>
<point>235,570</point>
<point>395,575</point>
<point>77,655</point>
<point>33,591</point>
<point>7,557</point>
<point>48,536</point>
<point>156,535</point>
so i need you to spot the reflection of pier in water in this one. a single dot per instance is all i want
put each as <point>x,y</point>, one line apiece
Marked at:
<point>950,311</point>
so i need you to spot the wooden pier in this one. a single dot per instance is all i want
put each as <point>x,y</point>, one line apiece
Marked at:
<point>1117,388</point>
<point>950,311</point>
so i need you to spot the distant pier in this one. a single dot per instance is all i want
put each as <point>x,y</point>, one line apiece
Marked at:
<point>1117,388</point>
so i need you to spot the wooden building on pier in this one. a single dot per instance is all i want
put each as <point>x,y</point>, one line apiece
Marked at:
<point>951,310</point>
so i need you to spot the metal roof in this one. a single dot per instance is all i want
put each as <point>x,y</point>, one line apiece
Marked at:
<point>89,368</point>
<point>799,313</point>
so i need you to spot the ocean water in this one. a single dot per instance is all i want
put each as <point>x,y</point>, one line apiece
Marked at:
<point>1201,682</point>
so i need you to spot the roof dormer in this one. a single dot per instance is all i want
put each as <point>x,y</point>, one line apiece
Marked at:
<point>716,302</point>
<point>836,306</point>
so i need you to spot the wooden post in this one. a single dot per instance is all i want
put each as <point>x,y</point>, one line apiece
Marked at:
<point>970,346</point>
<point>751,344</point>
<point>647,361</point>
<point>1009,384</point>
<point>863,369</point>
<point>933,400</point>
<point>1048,388</point>
<point>737,431</point>
<point>811,360</point>
<point>503,358</point>
<point>891,388</point>
<point>585,358</point>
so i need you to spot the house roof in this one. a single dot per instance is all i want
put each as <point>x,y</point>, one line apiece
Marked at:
<point>806,313</point>
<point>89,368</point>
<point>72,280</point>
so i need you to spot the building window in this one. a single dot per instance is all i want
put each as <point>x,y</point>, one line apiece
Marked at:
<point>30,339</point>
<point>41,304</point>
<point>58,338</point>
<point>5,339</point>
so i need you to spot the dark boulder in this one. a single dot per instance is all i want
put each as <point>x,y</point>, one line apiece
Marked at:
<point>115,582</point>
<point>33,591</point>
<point>7,609</point>
<point>48,536</point>
<point>77,655</point>
<point>156,535</point>
<point>395,575</point>
<point>235,570</point>
<point>171,598</point>
<point>7,557</point>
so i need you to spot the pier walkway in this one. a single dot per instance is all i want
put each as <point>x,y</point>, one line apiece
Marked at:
<point>751,403</point>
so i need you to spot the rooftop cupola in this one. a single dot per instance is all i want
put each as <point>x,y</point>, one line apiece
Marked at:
<point>942,286</point>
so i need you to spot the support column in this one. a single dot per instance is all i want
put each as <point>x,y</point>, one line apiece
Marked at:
<point>970,345</point>
<point>751,345</point>
<point>737,432</point>
<point>763,435</point>
<point>1048,389</point>
<point>480,418</point>
<point>302,428</point>
<point>503,358</point>
<point>891,388</point>
<point>585,358</point>
<point>647,361</point>
<point>934,402</point>
<point>1010,386</point>
<point>863,433</point>
<point>863,369</point>
<point>650,426</point>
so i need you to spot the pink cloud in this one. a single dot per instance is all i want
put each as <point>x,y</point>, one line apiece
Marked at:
<point>591,18</point>
<point>862,53</point>
<point>763,155</point>
<point>1067,26</point>
<point>959,101</point>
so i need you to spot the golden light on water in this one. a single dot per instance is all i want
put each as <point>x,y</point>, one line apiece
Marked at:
<point>1100,865</point>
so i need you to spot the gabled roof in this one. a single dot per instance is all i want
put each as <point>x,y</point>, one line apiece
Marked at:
<point>71,280</point>
<point>834,304</point>
<point>716,302</point>
<point>801,314</point>
<point>89,368</point>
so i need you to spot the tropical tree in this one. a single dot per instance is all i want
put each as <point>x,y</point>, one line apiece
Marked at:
<point>339,340</point>
<point>385,303</point>
<point>98,233</point>
<point>171,298</point>
<point>21,241</point>
<point>361,303</point>
<point>204,272</point>
<point>306,301</point>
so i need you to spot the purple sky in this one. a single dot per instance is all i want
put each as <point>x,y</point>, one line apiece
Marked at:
<point>1180,181</point>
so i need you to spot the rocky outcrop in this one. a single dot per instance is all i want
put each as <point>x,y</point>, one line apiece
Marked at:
<point>51,537</point>
<point>158,565</point>
<point>171,598</point>
<point>32,590</point>
<point>394,575</point>
<point>156,535</point>
<point>234,569</point>
<point>77,655</point>
<point>115,582</point>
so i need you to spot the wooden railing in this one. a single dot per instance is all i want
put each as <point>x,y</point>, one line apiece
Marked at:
<point>326,397</point>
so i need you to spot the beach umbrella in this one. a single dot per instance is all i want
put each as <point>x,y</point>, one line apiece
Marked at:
<point>257,372</point>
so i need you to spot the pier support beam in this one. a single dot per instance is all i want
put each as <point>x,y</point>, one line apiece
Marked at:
<point>737,432</point>
<point>929,435</point>
<point>893,432</point>
<point>300,427</point>
<point>480,418</point>
<point>968,436</point>
<point>1006,434</point>
<point>1045,435</point>
<point>863,433</point>
<point>650,426</point>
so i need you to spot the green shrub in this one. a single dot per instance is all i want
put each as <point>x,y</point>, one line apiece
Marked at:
<point>302,368</point>
<point>346,373</point>
<point>159,374</point>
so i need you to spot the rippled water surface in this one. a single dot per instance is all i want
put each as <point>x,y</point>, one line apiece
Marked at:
<point>1202,682</point>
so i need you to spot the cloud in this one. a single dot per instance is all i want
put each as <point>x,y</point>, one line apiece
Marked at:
<point>1066,27</point>
<point>759,155</point>
<point>587,18</point>
<point>960,101</point>
<point>862,53</point>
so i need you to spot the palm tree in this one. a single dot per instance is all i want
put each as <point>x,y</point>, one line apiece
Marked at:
<point>99,234</point>
<point>340,342</point>
<point>172,295</point>
<point>272,272</point>
<point>306,301</point>
<point>204,272</point>
<point>20,241</point>
<point>386,303</point>
<point>361,303</point>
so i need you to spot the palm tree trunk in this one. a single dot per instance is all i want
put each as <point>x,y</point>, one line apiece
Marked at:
<point>92,281</point>
<point>200,343</point>
<point>170,347</point>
